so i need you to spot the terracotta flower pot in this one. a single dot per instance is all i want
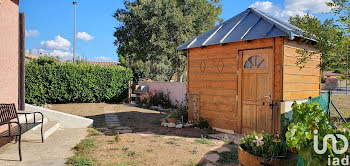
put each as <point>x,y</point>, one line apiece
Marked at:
<point>246,158</point>
<point>172,120</point>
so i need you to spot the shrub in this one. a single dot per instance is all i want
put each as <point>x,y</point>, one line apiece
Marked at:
<point>267,149</point>
<point>183,108</point>
<point>306,119</point>
<point>46,60</point>
<point>203,124</point>
<point>154,98</point>
<point>145,98</point>
<point>71,83</point>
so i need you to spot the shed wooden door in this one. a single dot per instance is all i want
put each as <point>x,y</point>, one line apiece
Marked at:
<point>256,90</point>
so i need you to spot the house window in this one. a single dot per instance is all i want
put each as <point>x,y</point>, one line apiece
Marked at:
<point>255,62</point>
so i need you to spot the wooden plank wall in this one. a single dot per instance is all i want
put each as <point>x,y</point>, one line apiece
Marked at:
<point>212,74</point>
<point>278,70</point>
<point>300,83</point>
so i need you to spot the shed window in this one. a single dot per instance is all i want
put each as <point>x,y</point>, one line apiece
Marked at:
<point>255,62</point>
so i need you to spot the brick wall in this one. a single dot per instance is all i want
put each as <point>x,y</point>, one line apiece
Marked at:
<point>8,52</point>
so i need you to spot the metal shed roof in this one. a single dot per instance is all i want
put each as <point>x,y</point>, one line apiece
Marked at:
<point>248,25</point>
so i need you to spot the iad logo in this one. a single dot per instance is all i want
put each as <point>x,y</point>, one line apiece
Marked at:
<point>334,143</point>
<point>335,161</point>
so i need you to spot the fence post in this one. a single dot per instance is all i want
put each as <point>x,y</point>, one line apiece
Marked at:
<point>329,102</point>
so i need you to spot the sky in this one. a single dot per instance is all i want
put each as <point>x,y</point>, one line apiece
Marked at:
<point>49,23</point>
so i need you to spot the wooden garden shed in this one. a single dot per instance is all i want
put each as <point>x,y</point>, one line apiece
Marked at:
<point>242,74</point>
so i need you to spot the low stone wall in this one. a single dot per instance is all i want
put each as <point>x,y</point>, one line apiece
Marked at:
<point>176,90</point>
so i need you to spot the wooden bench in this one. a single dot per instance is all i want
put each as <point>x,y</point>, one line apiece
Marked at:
<point>10,126</point>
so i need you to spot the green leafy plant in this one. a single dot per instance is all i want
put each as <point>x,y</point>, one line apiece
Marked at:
<point>263,145</point>
<point>85,145</point>
<point>131,154</point>
<point>94,132</point>
<point>117,137</point>
<point>174,114</point>
<point>300,135</point>
<point>81,160</point>
<point>81,153</point>
<point>71,83</point>
<point>194,151</point>
<point>225,138</point>
<point>203,140</point>
<point>183,108</point>
<point>203,124</point>
<point>43,60</point>
<point>229,157</point>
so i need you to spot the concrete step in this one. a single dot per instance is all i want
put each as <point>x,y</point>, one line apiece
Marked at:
<point>30,118</point>
<point>46,120</point>
<point>49,128</point>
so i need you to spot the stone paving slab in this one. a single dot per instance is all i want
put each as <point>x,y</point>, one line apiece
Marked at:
<point>111,119</point>
<point>209,164</point>
<point>212,157</point>
<point>111,116</point>
<point>146,133</point>
<point>124,131</point>
<point>123,128</point>
<point>223,149</point>
<point>112,123</point>
<point>235,137</point>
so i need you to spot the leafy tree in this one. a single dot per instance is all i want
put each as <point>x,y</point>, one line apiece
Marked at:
<point>151,31</point>
<point>330,41</point>
<point>341,9</point>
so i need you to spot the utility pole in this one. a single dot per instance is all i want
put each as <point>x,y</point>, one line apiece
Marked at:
<point>347,72</point>
<point>75,9</point>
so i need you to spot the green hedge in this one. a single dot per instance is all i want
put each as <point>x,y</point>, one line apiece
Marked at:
<point>74,83</point>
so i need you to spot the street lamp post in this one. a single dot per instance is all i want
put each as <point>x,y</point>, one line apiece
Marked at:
<point>75,4</point>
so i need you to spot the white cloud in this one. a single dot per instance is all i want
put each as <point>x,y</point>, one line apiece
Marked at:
<point>59,43</point>
<point>266,6</point>
<point>31,33</point>
<point>103,58</point>
<point>84,36</point>
<point>312,6</point>
<point>293,7</point>
<point>63,55</point>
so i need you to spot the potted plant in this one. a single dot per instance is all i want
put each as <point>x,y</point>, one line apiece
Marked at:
<point>172,118</point>
<point>260,149</point>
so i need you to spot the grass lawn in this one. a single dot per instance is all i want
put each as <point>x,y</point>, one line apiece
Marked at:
<point>342,102</point>
<point>160,146</point>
